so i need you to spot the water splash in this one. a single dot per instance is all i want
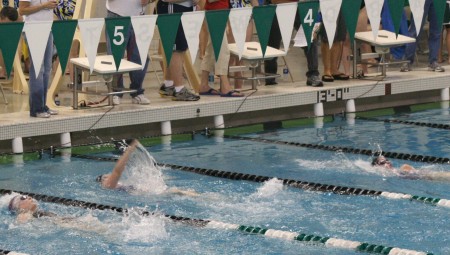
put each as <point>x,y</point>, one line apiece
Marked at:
<point>143,173</point>
<point>269,188</point>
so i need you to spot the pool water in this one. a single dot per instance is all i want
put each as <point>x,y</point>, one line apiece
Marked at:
<point>271,205</point>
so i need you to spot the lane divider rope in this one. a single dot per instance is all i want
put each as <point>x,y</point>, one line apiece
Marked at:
<point>4,252</point>
<point>311,186</point>
<point>327,241</point>
<point>387,154</point>
<point>421,124</point>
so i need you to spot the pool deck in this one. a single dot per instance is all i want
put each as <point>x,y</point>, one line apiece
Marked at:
<point>287,100</point>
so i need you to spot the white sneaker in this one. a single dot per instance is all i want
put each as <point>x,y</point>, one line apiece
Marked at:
<point>52,112</point>
<point>140,99</point>
<point>116,100</point>
<point>42,115</point>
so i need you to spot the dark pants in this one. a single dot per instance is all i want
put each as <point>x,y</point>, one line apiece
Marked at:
<point>312,56</point>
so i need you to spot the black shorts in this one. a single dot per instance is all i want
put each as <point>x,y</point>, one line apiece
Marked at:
<point>167,8</point>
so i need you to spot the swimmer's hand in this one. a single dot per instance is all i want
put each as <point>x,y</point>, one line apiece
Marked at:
<point>407,168</point>
<point>24,217</point>
<point>190,193</point>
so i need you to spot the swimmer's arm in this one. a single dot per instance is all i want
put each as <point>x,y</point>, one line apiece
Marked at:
<point>113,180</point>
<point>190,193</point>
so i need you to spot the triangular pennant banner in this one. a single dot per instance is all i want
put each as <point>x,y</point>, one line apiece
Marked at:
<point>396,11</point>
<point>91,30</point>
<point>417,7</point>
<point>439,7</point>
<point>239,19</point>
<point>117,29</point>
<point>144,28</point>
<point>350,11</point>
<point>286,17</point>
<point>330,12</point>
<point>63,31</point>
<point>217,21</point>
<point>307,12</point>
<point>374,12</point>
<point>263,16</point>
<point>37,33</point>
<point>192,24</point>
<point>9,47</point>
<point>167,26</point>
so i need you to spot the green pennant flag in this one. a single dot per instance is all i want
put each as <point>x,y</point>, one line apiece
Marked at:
<point>168,27</point>
<point>350,11</point>
<point>63,31</point>
<point>117,29</point>
<point>263,16</point>
<point>440,6</point>
<point>307,12</point>
<point>217,21</point>
<point>12,30</point>
<point>446,15</point>
<point>396,11</point>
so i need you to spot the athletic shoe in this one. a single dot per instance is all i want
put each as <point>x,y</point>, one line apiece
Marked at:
<point>116,100</point>
<point>140,99</point>
<point>166,91</point>
<point>406,67</point>
<point>42,115</point>
<point>314,81</point>
<point>52,112</point>
<point>185,95</point>
<point>435,67</point>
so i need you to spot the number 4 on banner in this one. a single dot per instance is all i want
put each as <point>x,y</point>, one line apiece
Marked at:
<point>117,30</point>
<point>307,12</point>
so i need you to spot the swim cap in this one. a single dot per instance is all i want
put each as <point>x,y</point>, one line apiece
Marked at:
<point>14,203</point>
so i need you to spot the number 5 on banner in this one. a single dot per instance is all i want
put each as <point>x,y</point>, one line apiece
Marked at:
<point>118,32</point>
<point>117,29</point>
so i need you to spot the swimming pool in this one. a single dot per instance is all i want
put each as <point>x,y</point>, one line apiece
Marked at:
<point>270,205</point>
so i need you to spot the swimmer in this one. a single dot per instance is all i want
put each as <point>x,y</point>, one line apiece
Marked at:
<point>111,180</point>
<point>26,208</point>
<point>408,171</point>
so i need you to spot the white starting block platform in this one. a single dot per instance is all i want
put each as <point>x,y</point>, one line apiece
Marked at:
<point>382,43</point>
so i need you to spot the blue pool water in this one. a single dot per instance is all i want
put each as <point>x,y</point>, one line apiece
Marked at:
<point>376,220</point>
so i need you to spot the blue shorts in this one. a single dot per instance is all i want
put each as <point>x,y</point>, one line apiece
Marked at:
<point>167,8</point>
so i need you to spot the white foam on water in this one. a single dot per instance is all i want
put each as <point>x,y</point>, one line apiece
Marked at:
<point>143,173</point>
<point>269,188</point>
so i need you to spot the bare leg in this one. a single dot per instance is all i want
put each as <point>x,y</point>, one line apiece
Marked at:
<point>345,55</point>
<point>447,43</point>
<point>176,69</point>
<point>335,56</point>
<point>362,26</point>
<point>326,58</point>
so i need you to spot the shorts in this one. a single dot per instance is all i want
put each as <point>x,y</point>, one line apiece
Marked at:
<point>165,8</point>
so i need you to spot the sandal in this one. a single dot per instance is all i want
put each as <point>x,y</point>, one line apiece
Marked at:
<point>341,76</point>
<point>327,78</point>
<point>210,92</point>
<point>232,93</point>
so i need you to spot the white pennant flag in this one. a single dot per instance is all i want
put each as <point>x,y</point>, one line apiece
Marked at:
<point>330,12</point>
<point>37,33</point>
<point>416,7</point>
<point>286,17</point>
<point>374,12</point>
<point>192,24</point>
<point>91,30</point>
<point>144,28</point>
<point>239,18</point>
